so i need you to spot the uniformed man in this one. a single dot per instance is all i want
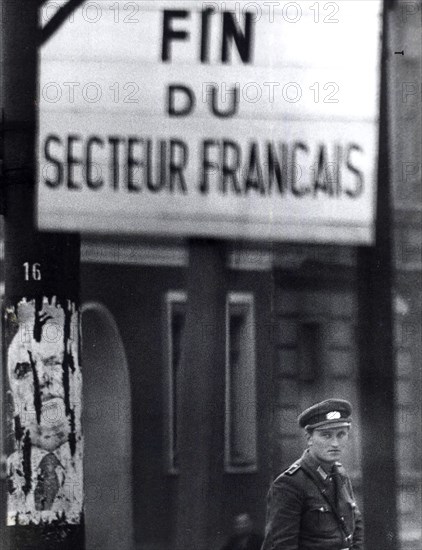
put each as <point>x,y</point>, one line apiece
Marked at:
<point>311,505</point>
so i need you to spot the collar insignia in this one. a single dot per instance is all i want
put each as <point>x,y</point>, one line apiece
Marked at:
<point>322,473</point>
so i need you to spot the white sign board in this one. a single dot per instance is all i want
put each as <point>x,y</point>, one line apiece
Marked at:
<point>253,120</point>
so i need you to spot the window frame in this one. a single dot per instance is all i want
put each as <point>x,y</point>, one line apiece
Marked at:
<point>240,300</point>
<point>172,298</point>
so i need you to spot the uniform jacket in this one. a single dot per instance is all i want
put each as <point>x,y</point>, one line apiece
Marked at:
<point>300,518</point>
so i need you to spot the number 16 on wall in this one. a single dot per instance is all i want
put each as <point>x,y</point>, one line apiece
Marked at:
<point>32,272</point>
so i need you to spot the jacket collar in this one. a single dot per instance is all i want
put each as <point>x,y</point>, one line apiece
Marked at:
<point>314,466</point>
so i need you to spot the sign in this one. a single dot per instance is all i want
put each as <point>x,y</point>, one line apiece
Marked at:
<point>253,120</point>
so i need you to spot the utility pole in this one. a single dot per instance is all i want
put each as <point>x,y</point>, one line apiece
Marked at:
<point>41,313</point>
<point>376,361</point>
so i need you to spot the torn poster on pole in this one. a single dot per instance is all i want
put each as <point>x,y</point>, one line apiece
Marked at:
<point>44,467</point>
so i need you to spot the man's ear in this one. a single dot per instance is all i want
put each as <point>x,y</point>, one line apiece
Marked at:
<point>309,438</point>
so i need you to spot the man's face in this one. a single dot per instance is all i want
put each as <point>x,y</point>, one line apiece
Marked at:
<point>328,444</point>
<point>35,377</point>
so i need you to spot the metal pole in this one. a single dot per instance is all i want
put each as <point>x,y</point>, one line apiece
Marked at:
<point>41,348</point>
<point>376,368</point>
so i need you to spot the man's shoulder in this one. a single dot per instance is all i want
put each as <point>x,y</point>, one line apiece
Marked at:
<point>293,469</point>
<point>292,473</point>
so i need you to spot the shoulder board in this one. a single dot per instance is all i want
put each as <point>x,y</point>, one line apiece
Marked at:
<point>293,469</point>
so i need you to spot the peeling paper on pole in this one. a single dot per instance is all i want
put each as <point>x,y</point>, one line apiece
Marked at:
<point>44,464</point>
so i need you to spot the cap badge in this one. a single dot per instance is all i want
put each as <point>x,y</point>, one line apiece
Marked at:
<point>333,415</point>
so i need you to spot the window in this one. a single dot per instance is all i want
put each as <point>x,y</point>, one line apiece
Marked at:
<point>240,453</point>
<point>310,349</point>
<point>175,305</point>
